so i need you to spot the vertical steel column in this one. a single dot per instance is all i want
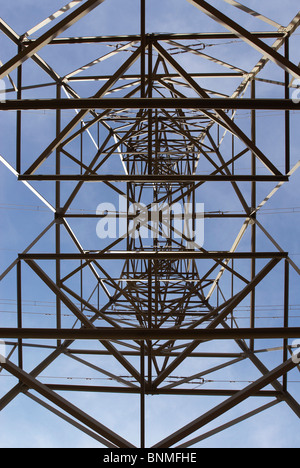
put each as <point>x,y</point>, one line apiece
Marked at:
<point>143,48</point>
<point>149,342</point>
<point>57,207</point>
<point>19,313</point>
<point>150,119</point>
<point>150,169</point>
<point>287,113</point>
<point>142,344</point>
<point>253,207</point>
<point>143,95</point>
<point>19,117</point>
<point>286,317</point>
<point>232,170</point>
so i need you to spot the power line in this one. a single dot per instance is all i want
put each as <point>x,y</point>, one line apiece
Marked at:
<point>172,379</point>
<point>6,206</point>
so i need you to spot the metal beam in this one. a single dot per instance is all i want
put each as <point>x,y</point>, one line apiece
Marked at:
<point>81,114</point>
<point>151,103</point>
<point>65,405</point>
<point>72,421</point>
<point>150,178</point>
<point>156,36</point>
<point>228,404</point>
<point>43,40</point>
<point>80,316</point>
<point>229,424</point>
<point>152,255</point>
<point>107,334</point>
<point>156,391</point>
<point>225,121</point>
<point>242,33</point>
<point>217,314</point>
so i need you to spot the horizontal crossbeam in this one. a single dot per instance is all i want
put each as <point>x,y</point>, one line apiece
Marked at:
<point>151,103</point>
<point>150,334</point>
<point>152,255</point>
<point>151,178</point>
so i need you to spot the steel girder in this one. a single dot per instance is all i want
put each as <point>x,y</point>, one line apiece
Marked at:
<point>152,309</point>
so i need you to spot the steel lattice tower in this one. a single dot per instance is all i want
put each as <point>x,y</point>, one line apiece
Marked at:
<point>154,311</point>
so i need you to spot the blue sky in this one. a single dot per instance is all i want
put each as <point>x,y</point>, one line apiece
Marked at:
<point>23,216</point>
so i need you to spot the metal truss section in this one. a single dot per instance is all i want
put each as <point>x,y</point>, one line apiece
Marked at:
<point>152,304</point>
